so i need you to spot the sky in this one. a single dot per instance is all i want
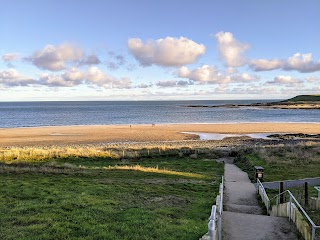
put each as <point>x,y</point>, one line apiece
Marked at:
<point>66,50</point>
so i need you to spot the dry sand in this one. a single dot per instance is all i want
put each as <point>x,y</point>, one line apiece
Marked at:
<point>137,133</point>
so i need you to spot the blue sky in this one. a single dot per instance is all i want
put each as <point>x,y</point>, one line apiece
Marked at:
<point>158,50</point>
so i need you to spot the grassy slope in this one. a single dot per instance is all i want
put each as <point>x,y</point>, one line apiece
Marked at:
<point>96,203</point>
<point>304,98</point>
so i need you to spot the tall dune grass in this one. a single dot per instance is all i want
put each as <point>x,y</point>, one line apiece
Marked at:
<point>42,154</point>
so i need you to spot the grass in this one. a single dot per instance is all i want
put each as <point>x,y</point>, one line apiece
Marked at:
<point>281,163</point>
<point>107,198</point>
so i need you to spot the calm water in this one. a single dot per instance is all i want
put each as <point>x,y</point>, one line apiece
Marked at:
<point>30,114</point>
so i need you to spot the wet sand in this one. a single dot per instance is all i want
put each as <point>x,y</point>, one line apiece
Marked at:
<point>138,133</point>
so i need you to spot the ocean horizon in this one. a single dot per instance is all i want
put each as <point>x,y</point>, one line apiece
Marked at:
<point>65,113</point>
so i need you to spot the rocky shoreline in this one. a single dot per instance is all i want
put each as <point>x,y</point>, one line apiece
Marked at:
<point>272,105</point>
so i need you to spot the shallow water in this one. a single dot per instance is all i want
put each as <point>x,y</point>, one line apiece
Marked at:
<point>221,136</point>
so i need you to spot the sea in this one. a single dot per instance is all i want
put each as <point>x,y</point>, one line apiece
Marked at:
<point>59,113</point>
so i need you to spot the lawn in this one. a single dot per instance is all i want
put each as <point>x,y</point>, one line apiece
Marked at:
<point>105,198</point>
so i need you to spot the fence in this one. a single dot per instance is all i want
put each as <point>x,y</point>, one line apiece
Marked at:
<point>293,210</point>
<point>215,219</point>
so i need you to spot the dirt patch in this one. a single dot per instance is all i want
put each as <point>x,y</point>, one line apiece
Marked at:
<point>169,200</point>
<point>174,181</point>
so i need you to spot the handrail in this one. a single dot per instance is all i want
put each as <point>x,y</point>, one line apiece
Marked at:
<point>318,188</point>
<point>264,195</point>
<point>292,199</point>
<point>221,196</point>
<point>298,204</point>
<point>216,216</point>
<point>314,227</point>
<point>211,224</point>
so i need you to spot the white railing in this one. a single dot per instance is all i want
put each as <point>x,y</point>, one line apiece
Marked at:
<point>215,219</point>
<point>264,195</point>
<point>292,202</point>
<point>318,188</point>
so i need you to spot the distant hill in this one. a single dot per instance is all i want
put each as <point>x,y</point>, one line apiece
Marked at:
<point>304,98</point>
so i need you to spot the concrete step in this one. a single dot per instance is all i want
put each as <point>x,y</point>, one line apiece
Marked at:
<point>242,226</point>
<point>243,209</point>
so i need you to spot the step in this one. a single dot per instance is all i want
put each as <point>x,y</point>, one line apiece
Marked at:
<point>243,209</point>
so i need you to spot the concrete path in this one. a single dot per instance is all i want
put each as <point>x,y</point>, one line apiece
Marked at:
<point>242,219</point>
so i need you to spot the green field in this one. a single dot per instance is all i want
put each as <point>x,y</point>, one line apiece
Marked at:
<point>281,163</point>
<point>105,198</point>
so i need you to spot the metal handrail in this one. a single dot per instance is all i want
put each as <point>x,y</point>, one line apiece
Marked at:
<point>314,226</point>
<point>318,188</point>
<point>264,195</point>
<point>212,219</point>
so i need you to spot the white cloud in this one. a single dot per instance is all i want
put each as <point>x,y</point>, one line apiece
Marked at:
<point>166,52</point>
<point>9,57</point>
<point>91,59</point>
<point>299,62</point>
<point>124,83</point>
<point>173,83</point>
<point>203,74</point>
<point>231,50</point>
<point>54,58</point>
<point>285,80</point>
<point>244,77</point>
<point>312,78</point>
<point>12,78</point>
<point>92,77</point>
<point>143,85</point>
<point>265,64</point>
<point>211,75</point>
<point>302,63</point>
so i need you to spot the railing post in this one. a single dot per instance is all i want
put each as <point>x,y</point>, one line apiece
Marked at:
<point>290,210</point>
<point>313,236</point>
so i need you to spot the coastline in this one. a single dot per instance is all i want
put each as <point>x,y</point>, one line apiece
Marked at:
<point>97,134</point>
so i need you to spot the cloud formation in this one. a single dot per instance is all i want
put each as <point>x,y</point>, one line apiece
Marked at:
<point>211,75</point>
<point>302,63</point>
<point>285,80</point>
<point>173,83</point>
<point>9,57</point>
<point>244,78</point>
<point>93,76</point>
<point>91,59</point>
<point>265,64</point>
<point>231,51</point>
<point>54,58</point>
<point>11,78</point>
<point>165,52</point>
<point>203,74</point>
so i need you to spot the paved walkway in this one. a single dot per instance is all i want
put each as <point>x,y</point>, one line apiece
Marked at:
<point>242,219</point>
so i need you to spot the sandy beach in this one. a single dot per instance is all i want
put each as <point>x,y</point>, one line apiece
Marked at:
<point>62,135</point>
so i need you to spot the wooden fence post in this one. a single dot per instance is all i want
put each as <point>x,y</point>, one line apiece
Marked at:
<point>306,194</point>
